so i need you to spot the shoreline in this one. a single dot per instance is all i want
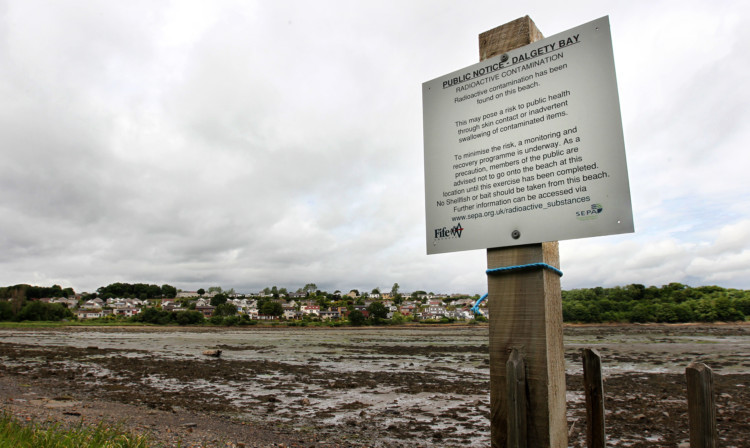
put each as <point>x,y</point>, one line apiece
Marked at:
<point>411,326</point>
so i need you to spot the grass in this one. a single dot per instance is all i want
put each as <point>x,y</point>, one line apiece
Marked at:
<point>30,324</point>
<point>14,434</point>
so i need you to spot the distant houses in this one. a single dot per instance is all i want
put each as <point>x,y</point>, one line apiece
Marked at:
<point>295,306</point>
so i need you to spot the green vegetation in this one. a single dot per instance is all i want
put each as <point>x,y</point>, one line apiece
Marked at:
<point>672,303</point>
<point>377,311</point>
<point>356,318</point>
<point>270,308</point>
<point>34,292</point>
<point>156,316</point>
<point>136,291</point>
<point>635,303</point>
<point>17,435</point>
<point>19,309</point>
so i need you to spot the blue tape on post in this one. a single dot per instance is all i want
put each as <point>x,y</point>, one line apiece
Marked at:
<point>524,266</point>
<point>508,269</point>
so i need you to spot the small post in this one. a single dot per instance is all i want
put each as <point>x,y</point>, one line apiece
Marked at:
<point>701,406</point>
<point>516,374</point>
<point>594,390</point>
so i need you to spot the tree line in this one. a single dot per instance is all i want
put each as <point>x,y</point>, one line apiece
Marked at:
<point>672,303</point>
<point>35,292</point>
<point>635,303</point>
<point>140,291</point>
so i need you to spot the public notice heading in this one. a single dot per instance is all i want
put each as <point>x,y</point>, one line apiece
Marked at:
<point>527,146</point>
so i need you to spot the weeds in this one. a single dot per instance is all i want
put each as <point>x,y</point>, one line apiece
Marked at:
<point>14,434</point>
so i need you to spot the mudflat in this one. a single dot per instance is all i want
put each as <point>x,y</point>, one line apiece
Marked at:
<point>408,386</point>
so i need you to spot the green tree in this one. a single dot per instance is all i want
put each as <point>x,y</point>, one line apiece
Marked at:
<point>201,291</point>
<point>218,299</point>
<point>6,310</point>
<point>225,309</point>
<point>704,311</point>
<point>271,308</point>
<point>643,312</point>
<point>17,300</point>
<point>356,318</point>
<point>168,291</point>
<point>725,311</point>
<point>742,304</point>
<point>377,310</point>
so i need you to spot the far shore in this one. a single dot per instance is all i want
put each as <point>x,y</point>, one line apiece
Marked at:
<point>283,326</point>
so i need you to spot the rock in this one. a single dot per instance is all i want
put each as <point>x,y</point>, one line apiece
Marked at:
<point>214,353</point>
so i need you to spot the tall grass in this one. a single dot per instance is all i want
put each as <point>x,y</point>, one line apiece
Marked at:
<point>14,434</point>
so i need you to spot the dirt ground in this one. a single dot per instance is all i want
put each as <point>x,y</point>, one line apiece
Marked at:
<point>343,387</point>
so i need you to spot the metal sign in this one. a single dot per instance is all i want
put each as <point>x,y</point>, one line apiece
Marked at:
<point>527,146</point>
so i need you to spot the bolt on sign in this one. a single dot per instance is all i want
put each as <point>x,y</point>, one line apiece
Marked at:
<point>527,146</point>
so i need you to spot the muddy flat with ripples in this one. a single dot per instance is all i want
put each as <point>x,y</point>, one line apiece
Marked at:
<point>372,386</point>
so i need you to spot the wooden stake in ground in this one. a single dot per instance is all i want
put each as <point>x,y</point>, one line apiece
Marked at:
<point>701,406</point>
<point>525,308</point>
<point>593,388</point>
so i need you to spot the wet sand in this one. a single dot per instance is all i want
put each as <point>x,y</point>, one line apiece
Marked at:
<point>376,387</point>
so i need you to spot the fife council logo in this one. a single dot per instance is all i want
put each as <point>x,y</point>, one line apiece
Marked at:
<point>444,233</point>
<point>591,213</point>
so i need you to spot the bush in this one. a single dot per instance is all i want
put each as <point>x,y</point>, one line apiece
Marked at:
<point>189,317</point>
<point>231,321</point>
<point>398,318</point>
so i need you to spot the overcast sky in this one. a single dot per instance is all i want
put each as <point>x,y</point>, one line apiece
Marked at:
<point>250,144</point>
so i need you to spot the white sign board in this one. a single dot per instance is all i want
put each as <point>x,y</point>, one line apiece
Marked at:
<point>527,147</point>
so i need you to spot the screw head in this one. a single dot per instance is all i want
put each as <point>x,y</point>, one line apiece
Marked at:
<point>515,234</point>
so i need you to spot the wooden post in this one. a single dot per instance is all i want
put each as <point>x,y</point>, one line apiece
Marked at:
<point>525,308</point>
<point>516,373</point>
<point>594,390</point>
<point>701,406</point>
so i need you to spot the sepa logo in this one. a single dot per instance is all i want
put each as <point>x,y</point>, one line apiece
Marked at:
<point>592,213</point>
<point>445,233</point>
